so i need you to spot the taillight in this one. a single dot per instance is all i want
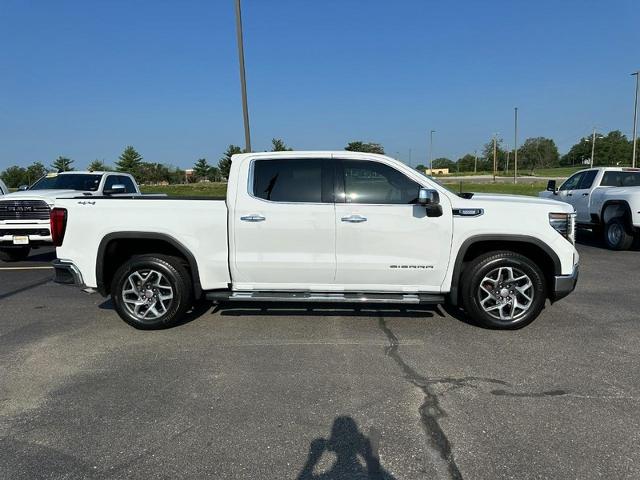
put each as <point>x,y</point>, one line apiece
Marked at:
<point>58,224</point>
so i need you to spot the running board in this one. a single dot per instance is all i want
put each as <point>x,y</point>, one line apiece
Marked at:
<point>413,298</point>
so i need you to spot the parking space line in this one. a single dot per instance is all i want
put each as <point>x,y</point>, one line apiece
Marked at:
<point>25,268</point>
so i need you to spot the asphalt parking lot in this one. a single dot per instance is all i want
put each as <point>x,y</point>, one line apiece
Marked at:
<point>282,392</point>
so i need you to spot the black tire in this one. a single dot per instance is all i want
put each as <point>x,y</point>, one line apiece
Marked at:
<point>174,275</point>
<point>617,235</point>
<point>474,292</point>
<point>14,254</point>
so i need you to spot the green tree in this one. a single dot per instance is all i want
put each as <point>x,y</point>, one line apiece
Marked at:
<point>34,172</point>
<point>153,173</point>
<point>130,161</point>
<point>62,164</point>
<point>278,145</point>
<point>364,147</point>
<point>421,168</point>
<point>613,149</point>
<point>538,152</point>
<point>14,176</point>
<point>202,169</point>
<point>98,166</point>
<point>444,162</point>
<point>467,163</point>
<point>487,156</point>
<point>224,165</point>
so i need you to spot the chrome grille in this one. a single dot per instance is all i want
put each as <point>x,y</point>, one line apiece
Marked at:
<point>24,210</point>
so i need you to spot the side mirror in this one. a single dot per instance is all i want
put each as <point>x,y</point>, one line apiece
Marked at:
<point>22,188</point>
<point>115,190</point>
<point>551,186</point>
<point>430,199</point>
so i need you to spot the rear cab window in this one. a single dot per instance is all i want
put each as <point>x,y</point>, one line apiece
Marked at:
<point>620,178</point>
<point>308,180</point>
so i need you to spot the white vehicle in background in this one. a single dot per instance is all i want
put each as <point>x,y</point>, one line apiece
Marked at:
<point>3,188</point>
<point>320,227</point>
<point>24,215</point>
<point>605,199</point>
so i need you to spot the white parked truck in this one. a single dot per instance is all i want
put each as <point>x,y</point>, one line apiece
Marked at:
<point>320,227</point>
<point>605,199</point>
<point>24,215</point>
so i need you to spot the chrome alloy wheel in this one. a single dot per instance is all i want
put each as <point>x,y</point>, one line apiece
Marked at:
<point>506,293</point>
<point>614,233</point>
<point>147,294</point>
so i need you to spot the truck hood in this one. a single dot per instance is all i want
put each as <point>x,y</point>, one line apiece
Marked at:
<point>47,195</point>
<point>505,198</point>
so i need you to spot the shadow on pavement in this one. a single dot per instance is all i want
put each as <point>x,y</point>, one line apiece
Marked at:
<point>356,455</point>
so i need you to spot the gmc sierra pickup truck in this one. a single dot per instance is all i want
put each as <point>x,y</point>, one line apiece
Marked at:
<point>606,200</point>
<point>24,215</point>
<point>320,227</point>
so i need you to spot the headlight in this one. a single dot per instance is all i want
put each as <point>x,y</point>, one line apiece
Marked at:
<point>564,224</point>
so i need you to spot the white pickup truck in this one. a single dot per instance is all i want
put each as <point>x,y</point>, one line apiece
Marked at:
<point>605,199</point>
<point>24,215</point>
<point>320,227</point>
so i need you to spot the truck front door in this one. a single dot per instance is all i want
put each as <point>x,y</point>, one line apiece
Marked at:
<point>283,225</point>
<point>384,241</point>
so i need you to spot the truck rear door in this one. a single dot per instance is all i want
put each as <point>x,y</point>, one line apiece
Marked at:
<point>283,225</point>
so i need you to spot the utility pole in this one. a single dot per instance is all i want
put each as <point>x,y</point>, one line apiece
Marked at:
<point>475,161</point>
<point>593,146</point>
<point>635,121</point>
<point>243,80</point>
<point>431,151</point>
<point>409,157</point>
<point>495,157</point>
<point>506,165</point>
<point>515,148</point>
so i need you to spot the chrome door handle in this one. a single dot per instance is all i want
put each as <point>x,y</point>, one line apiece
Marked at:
<point>569,194</point>
<point>354,219</point>
<point>585,194</point>
<point>253,218</point>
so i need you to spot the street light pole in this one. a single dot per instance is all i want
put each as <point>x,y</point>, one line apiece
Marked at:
<point>431,151</point>
<point>243,80</point>
<point>475,161</point>
<point>495,155</point>
<point>515,150</point>
<point>593,146</point>
<point>635,121</point>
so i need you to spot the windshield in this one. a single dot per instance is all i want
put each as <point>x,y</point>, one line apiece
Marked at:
<point>53,181</point>
<point>435,180</point>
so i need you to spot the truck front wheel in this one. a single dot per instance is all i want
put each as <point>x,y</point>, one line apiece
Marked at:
<point>503,290</point>
<point>152,291</point>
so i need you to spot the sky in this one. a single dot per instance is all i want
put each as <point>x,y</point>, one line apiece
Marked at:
<point>84,79</point>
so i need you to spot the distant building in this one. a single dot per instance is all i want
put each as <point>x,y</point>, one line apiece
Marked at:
<point>436,171</point>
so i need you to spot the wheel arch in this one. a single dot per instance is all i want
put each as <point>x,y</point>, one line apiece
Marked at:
<point>121,246</point>
<point>531,247</point>
<point>620,208</point>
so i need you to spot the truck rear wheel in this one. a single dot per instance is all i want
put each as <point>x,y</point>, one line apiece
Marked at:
<point>617,235</point>
<point>503,290</point>
<point>152,291</point>
<point>14,254</point>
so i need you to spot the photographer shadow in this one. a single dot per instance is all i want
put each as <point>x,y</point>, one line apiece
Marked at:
<point>356,455</point>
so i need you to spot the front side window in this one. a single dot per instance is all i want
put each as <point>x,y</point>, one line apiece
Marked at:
<point>70,181</point>
<point>573,182</point>
<point>289,180</point>
<point>377,183</point>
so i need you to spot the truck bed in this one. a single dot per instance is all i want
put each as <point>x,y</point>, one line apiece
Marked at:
<point>200,225</point>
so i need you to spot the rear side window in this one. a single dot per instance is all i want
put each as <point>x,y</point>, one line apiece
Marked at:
<point>587,179</point>
<point>377,183</point>
<point>290,180</point>
<point>620,179</point>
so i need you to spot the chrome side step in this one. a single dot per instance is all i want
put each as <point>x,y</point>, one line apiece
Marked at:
<point>329,297</point>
